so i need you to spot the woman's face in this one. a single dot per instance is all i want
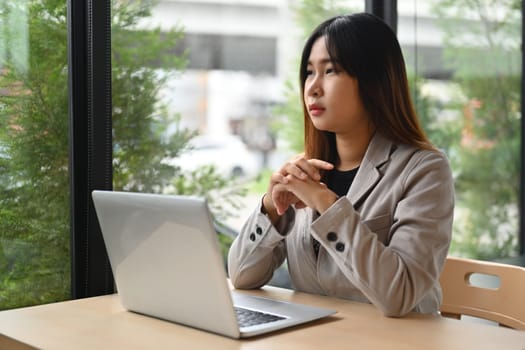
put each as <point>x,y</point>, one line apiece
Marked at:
<point>332,96</point>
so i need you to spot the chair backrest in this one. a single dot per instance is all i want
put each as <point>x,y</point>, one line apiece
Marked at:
<point>504,304</point>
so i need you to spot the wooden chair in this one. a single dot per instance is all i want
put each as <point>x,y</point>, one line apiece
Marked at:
<point>504,304</point>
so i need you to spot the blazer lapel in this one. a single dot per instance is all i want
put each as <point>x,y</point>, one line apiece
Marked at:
<point>377,154</point>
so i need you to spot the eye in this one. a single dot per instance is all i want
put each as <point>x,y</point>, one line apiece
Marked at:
<point>331,70</point>
<point>309,72</point>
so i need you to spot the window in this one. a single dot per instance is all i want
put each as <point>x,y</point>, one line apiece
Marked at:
<point>34,176</point>
<point>465,64</point>
<point>212,70</point>
<point>189,70</point>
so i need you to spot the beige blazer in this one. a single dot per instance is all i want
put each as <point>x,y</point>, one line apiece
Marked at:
<point>384,243</point>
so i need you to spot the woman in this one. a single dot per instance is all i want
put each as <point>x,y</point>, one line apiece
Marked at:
<point>366,213</point>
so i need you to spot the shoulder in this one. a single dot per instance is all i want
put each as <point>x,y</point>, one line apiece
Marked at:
<point>403,159</point>
<point>418,156</point>
<point>419,163</point>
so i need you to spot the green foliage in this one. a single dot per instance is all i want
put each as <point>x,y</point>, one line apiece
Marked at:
<point>260,184</point>
<point>225,241</point>
<point>288,121</point>
<point>34,219</point>
<point>141,66</point>
<point>443,133</point>
<point>222,194</point>
<point>34,177</point>
<point>486,58</point>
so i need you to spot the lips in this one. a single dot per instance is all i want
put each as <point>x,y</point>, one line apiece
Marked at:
<point>315,110</point>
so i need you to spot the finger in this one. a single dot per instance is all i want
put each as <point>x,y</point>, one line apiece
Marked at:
<point>277,177</point>
<point>307,168</point>
<point>294,169</point>
<point>300,205</point>
<point>281,207</point>
<point>321,164</point>
<point>280,199</point>
<point>312,167</point>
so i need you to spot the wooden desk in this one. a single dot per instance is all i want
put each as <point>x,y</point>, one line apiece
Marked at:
<point>101,323</point>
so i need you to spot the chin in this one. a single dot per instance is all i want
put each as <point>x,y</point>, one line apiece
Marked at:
<point>318,123</point>
<point>322,127</point>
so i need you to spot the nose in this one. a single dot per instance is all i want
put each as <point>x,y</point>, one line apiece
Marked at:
<point>313,87</point>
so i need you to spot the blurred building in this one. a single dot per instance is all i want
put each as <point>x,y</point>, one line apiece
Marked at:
<point>242,51</point>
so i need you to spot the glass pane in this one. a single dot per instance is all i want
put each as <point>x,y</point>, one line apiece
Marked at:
<point>34,180</point>
<point>206,97</point>
<point>465,63</point>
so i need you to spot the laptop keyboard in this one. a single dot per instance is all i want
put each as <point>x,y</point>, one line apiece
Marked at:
<point>247,317</point>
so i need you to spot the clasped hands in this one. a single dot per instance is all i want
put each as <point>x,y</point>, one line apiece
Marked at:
<point>297,183</point>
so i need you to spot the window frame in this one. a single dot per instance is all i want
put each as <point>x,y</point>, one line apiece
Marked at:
<point>90,113</point>
<point>90,141</point>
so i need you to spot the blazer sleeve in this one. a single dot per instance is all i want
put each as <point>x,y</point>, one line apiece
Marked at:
<point>395,277</point>
<point>259,249</point>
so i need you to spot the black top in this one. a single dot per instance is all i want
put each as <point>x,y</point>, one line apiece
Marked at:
<point>339,182</point>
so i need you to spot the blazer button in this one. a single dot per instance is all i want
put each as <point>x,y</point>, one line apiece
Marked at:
<point>252,237</point>
<point>331,236</point>
<point>258,230</point>
<point>340,247</point>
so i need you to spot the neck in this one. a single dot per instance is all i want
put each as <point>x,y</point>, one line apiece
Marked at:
<point>351,150</point>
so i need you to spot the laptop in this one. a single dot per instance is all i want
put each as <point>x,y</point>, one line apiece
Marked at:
<point>167,263</point>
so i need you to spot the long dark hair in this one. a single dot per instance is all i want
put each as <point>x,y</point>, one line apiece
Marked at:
<point>368,50</point>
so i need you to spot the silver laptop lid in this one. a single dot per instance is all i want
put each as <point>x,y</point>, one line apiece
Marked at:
<point>165,256</point>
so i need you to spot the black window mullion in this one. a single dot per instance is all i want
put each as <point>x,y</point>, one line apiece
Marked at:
<point>384,9</point>
<point>89,45</point>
